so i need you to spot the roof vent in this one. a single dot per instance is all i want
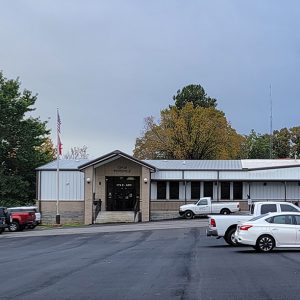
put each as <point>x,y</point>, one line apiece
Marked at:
<point>183,162</point>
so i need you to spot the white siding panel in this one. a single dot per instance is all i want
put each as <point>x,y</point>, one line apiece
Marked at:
<point>188,190</point>
<point>71,185</point>
<point>200,175</point>
<point>271,174</point>
<point>270,191</point>
<point>165,175</point>
<point>283,174</point>
<point>181,191</point>
<point>293,191</point>
<point>153,190</point>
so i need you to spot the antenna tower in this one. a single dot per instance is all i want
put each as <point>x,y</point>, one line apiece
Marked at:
<point>271,123</point>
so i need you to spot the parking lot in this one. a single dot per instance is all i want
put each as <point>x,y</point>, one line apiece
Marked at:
<point>166,263</point>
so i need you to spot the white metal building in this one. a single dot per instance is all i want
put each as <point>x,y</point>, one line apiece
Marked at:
<point>171,184</point>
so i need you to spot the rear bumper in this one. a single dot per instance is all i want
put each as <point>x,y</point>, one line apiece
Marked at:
<point>211,232</point>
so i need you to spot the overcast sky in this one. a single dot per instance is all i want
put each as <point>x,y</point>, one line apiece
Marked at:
<point>109,64</point>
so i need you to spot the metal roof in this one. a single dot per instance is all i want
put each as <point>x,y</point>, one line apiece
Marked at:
<point>114,155</point>
<point>251,164</point>
<point>196,164</point>
<point>225,165</point>
<point>64,164</point>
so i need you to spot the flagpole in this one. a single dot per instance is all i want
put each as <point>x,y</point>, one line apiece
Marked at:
<point>57,170</point>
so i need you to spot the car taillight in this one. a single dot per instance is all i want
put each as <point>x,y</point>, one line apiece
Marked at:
<point>245,227</point>
<point>212,222</point>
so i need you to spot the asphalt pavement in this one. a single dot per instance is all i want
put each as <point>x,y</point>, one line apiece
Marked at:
<point>167,263</point>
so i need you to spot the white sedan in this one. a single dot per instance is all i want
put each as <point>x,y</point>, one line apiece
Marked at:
<point>270,230</point>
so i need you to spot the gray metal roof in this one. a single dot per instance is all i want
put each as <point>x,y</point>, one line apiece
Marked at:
<point>64,164</point>
<point>230,165</point>
<point>196,164</point>
<point>114,155</point>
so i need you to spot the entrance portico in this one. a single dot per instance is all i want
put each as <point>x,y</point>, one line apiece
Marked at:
<point>119,183</point>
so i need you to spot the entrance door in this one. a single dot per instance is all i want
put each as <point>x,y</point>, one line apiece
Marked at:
<point>122,193</point>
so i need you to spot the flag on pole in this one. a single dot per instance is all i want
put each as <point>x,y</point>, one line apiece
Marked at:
<point>59,144</point>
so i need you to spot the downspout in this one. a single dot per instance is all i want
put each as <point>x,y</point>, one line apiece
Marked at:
<point>93,194</point>
<point>150,183</point>
<point>285,191</point>
<point>183,177</point>
<point>218,177</point>
<point>249,189</point>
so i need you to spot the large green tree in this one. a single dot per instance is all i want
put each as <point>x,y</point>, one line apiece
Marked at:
<point>256,146</point>
<point>24,143</point>
<point>295,142</point>
<point>195,94</point>
<point>189,133</point>
<point>281,141</point>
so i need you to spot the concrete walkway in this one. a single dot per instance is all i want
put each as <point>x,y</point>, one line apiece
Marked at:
<point>170,224</point>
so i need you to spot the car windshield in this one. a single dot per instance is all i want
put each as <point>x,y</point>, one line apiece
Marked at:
<point>258,217</point>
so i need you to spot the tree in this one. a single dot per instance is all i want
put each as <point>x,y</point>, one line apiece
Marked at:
<point>188,133</point>
<point>256,146</point>
<point>22,143</point>
<point>77,153</point>
<point>281,143</point>
<point>195,94</point>
<point>295,142</point>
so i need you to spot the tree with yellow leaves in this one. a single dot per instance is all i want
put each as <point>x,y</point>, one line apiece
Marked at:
<point>190,132</point>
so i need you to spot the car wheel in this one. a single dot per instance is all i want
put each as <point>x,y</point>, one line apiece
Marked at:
<point>189,214</point>
<point>225,211</point>
<point>229,237</point>
<point>1,230</point>
<point>265,243</point>
<point>13,226</point>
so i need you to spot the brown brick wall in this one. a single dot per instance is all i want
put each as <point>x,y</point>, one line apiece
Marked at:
<point>71,212</point>
<point>167,205</point>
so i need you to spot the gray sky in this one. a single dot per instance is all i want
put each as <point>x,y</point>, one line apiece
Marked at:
<point>109,64</point>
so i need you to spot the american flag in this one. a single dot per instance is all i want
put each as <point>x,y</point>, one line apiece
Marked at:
<point>59,144</point>
<point>58,122</point>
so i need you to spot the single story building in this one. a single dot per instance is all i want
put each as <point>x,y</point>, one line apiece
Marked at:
<point>117,187</point>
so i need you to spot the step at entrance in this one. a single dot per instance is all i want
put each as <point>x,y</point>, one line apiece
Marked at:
<point>116,217</point>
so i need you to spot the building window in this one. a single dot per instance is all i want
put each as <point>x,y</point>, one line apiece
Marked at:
<point>238,190</point>
<point>208,189</point>
<point>225,190</point>
<point>174,189</point>
<point>161,190</point>
<point>195,190</point>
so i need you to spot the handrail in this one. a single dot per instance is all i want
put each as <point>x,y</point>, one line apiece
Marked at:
<point>136,207</point>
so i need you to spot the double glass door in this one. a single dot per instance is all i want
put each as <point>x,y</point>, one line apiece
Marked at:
<point>122,193</point>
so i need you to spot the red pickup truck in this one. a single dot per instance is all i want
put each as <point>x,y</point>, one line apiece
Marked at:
<point>21,219</point>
